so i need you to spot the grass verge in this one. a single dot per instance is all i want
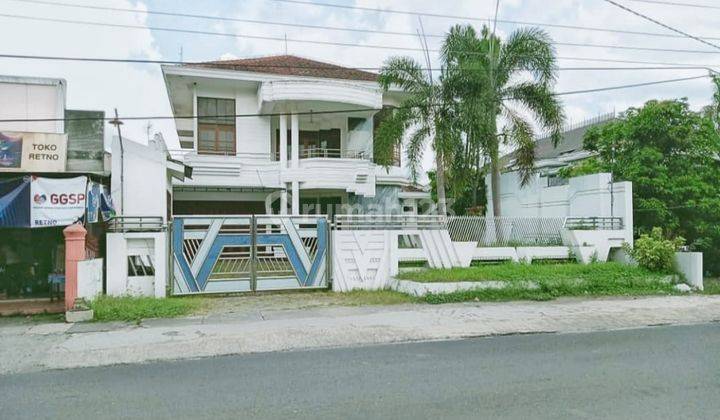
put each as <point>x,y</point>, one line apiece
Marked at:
<point>553,281</point>
<point>127,308</point>
<point>372,297</point>
<point>711,286</point>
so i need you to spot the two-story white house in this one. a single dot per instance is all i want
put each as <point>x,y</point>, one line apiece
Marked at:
<point>282,134</point>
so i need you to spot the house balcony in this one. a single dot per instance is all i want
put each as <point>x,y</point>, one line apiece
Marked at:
<point>316,169</point>
<point>318,92</point>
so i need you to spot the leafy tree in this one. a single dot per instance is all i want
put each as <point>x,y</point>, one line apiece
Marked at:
<point>424,113</point>
<point>463,199</point>
<point>495,81</point>
<point>672,156</point>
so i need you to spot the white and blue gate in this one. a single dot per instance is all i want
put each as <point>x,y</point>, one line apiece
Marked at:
<point>225,254</point>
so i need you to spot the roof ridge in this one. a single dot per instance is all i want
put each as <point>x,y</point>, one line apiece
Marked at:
<point>291,65</point>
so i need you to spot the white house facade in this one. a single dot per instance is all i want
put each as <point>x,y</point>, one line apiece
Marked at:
<point>281,135</point>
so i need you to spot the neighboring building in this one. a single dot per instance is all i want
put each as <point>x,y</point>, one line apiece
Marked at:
<point>52,174</point>
<point>313,160</point>
<point>548,195</point>
<point>550,158</point>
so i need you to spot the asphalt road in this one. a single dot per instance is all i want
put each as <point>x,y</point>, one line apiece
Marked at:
<point>661,372</point>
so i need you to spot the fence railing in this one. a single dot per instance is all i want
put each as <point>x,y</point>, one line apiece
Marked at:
<point>389,222</point>
<point>136,224</point>
<point>506,231</point>
<point>594,223</point>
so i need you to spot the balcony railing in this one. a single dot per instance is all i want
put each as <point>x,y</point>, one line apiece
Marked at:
<point>322,152</point>
<point>594,223</point>
<point>136,224</point>
<point>305,153</point>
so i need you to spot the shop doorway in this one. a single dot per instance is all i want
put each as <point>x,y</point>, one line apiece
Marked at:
<point>32,264</point>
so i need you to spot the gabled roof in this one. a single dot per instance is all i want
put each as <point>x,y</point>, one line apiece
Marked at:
<point>571,142</point>
<point>290,65</point>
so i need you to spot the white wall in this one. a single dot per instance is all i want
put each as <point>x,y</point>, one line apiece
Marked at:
<point>145,180</point>
<point>584,196</point>
<point>367,259</point>
<point>119,247</point>
<point>690,265</point>
<point>252,134</point>
<point>90,279</point>
<point>32,98</point>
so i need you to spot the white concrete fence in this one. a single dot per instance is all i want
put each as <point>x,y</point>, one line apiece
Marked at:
<point>369,249</point>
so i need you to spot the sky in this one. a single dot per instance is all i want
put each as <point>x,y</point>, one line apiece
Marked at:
<point>139,90</point>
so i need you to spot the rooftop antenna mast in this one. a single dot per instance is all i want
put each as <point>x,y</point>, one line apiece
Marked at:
<point>286,49</point>
<point>181,53</point>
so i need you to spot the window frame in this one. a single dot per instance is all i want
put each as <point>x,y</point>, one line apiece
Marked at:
<point>216,126</point>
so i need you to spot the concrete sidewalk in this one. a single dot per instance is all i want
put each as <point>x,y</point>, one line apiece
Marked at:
<point>55,346</point>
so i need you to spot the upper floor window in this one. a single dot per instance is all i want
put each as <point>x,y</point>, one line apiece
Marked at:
<point>216,126</point>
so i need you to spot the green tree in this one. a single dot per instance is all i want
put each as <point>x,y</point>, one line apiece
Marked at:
<point>424,114</point>
<point>506,82</point>
<point>672,156</point>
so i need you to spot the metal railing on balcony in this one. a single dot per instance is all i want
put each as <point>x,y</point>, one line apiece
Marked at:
<point>389,222</point>
<point>322,152</point>
<point>594,223</point>
<point>136,224</point>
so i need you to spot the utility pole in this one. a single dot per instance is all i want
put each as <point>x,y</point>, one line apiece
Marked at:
<point>117,123</point>
<point>612,180</point>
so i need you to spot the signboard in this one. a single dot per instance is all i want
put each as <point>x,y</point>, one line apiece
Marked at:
<point>32,152</point>
<point>57,202</point>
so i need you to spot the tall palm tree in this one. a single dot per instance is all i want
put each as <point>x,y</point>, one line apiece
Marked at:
<point>506,82</point>
<point>423,115</point>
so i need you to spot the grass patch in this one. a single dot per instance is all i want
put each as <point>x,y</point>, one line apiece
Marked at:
<point>109,308</point>
<point>557,280</point>
<point>609,272</point>
<point>372,297</point>
<point>711,286</point>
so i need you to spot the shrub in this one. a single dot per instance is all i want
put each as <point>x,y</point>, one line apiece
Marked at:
<point>655,252</point>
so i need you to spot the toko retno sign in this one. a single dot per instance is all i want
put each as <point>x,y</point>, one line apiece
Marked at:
<point>32,152</point>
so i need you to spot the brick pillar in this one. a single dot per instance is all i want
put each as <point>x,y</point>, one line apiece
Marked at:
<point>74,252</point>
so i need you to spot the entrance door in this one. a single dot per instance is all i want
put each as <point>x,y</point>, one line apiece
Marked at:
<point>248,253</point>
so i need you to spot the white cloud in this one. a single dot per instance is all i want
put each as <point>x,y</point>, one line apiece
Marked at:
<point>139,89</point>
<point>131,88</point>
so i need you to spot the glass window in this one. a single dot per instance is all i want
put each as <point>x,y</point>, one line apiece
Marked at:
<point>216,126</point>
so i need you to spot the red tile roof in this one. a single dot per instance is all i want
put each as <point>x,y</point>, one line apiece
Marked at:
<point>290,65</point>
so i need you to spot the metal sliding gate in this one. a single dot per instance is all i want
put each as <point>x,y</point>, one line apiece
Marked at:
<point>225,254</point>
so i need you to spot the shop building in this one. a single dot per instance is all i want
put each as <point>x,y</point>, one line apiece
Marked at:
<point>53,173</point>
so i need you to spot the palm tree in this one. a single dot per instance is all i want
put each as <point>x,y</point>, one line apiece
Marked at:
<point>423,115</point>
<point>507,82</point>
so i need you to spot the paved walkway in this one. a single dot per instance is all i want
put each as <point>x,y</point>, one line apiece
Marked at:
<point>26,347</point>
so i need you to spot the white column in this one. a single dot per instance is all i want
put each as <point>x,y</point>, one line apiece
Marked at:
<point>283,142</point>
<point>294,143</point>
<point>283,201</point>
<point>295,198</point>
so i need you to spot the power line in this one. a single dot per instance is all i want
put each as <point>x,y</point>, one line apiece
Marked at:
<point>198,32</point>
<point>224,18</point>
<point>481,19</point>
<point>659,63</point>
<point>339,111</point>
<point>331,67</point>
<point>333,43</point>
<point>656,65</point>
<point>657,22</point>
<point>674,3</point>
<point>658,82</point>
<point>362,30</point>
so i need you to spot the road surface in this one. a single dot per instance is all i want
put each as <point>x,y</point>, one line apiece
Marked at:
<point>659,372</point>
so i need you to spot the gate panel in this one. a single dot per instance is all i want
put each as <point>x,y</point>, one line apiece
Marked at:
<point>247,253</point>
